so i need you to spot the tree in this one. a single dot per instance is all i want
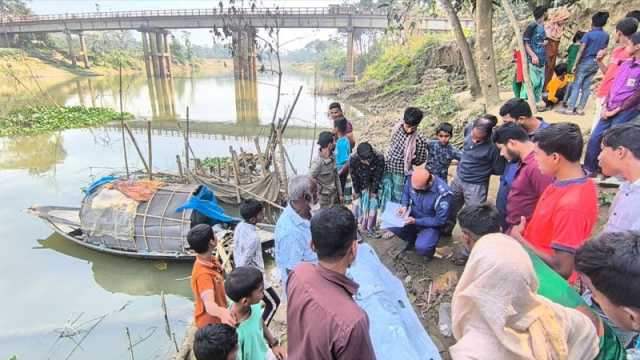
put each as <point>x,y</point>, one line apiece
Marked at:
<point>11,8</point>
<point>485,54</point>
<point>465,49</point>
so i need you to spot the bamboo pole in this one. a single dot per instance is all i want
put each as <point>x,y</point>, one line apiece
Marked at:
<point>282,161</point>
<point>124,142</point>
<point>150,150</point>
<point>126,330</point>
<point>262,160</point>
<point>525,64</point>
<point>186,142</point>
<point>315,128</point>
<point>236,170</point>
<point>295,101</point>
<point>135,143</point>
<point>179,163</point>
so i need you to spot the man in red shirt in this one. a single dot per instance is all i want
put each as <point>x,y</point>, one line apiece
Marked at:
<point>568,209</point>
<point>529,182</point>
<point>323,320</point>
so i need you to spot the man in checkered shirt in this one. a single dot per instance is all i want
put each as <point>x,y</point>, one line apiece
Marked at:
<point>398,163</point>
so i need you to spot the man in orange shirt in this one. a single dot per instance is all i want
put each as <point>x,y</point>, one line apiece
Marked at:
<point>207,282</point>
<point>568,208</point>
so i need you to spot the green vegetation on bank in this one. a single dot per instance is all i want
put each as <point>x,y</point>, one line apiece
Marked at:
<point>35,120</point>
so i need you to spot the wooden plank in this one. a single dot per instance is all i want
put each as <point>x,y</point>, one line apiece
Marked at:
<point>236,170</point>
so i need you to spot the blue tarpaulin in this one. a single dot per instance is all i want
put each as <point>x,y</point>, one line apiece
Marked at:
<point>96,184</point>
<point>205,202</point>
<point>394,327</point>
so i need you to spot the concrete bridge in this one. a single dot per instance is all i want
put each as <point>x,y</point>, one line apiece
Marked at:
<point>154,25</point>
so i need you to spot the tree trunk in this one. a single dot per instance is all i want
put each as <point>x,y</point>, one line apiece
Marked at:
<point>484,52</point>
<point>525,64</point>
<point>465,49</point>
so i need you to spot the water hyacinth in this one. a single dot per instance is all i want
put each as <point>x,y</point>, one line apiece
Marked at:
<point>40,119</point>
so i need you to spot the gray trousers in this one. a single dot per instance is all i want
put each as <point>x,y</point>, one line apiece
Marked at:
<point>464,193</point>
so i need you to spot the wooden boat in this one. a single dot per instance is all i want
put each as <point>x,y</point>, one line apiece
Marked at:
<point>152,229</point>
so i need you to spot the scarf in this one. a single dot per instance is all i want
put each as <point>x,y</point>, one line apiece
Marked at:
<point>497,314</point>
<point>409,147</point>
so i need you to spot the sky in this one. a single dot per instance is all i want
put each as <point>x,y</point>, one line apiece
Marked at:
<point>290,38</point>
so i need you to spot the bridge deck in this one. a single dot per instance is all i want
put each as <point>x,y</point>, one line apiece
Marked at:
<point>302,17</point>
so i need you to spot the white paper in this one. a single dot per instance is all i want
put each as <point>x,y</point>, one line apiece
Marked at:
<point>390,217</point>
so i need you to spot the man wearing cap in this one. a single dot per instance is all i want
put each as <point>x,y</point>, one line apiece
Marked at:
<point>425,203</point>
<point>622,103</point>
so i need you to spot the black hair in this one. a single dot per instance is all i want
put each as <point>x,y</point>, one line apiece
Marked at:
<point>509,131</point>
<point>516,108</point>
<point>578,36</point>
<point>364,150</point>
<point>341,125</point>
<point>445,127</point>
<point>625,135</point>
<point>335,105</point>
<point>627,26</point>
<point>325,138</point>
<point>600,18</point>
<point>480,219</point>
<point>561,69</point>
<point>242,281</point>
<point>215,342</point>
<point>333,230</point>
<point>635,38</point>
<point>563,138</point>
<point>485,124</point>
<point>412,116</point>
<point>612,263</point>
<point>492,118</point>
<point>539,11</point>
<point>199,237</point>
<point>250,208</point>
<point>634,14</point>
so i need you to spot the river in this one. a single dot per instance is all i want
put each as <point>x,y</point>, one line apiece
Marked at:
<point>50,286</point>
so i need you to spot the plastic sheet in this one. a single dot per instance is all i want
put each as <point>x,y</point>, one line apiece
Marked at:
<point>394,327</point>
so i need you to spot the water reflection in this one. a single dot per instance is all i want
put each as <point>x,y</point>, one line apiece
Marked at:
<point>38,154</point>
<point>127,276</point>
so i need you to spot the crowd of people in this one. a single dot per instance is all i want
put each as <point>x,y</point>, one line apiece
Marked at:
<point>540,281</point>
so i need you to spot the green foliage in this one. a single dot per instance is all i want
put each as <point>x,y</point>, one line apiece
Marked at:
<point>212,162</point>
<point>406,61</point>
<point>605,198</point>
<point>35,120</point>
<point>14,8</point>
<point>438,103</point>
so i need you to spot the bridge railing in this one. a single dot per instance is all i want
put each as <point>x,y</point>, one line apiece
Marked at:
<point>278,11</point>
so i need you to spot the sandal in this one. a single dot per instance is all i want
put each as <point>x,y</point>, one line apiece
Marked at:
<point>579,112</point>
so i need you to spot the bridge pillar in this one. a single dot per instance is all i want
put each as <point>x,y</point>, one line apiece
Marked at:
<point>153,52</point>
<point>160,54</point>
<point>167,53</point>
<point>83,50</point>
<point>245,74</point>
<point>351,76</point>
<point>72,54</point>
<point>146,53</point>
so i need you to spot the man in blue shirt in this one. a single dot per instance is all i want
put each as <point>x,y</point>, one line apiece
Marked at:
<point>587,66</point>
<point>293,233</point>
<point>426,203</point>
<point>534,44</point>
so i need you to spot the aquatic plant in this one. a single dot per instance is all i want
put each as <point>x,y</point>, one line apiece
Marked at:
<point>41,119</point>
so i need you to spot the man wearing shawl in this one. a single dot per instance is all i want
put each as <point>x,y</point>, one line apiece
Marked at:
<point>407,148</point>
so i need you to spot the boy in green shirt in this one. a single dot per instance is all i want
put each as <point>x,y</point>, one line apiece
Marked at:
<point>245,287</point>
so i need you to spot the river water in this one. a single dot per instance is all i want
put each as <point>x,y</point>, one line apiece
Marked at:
<point>50,286</point>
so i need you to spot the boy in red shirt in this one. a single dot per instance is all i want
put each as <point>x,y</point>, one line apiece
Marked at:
<point>568,209</point>
<point>206,280</point>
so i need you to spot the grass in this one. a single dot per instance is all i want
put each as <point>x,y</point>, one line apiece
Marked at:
<point>42,119</point>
